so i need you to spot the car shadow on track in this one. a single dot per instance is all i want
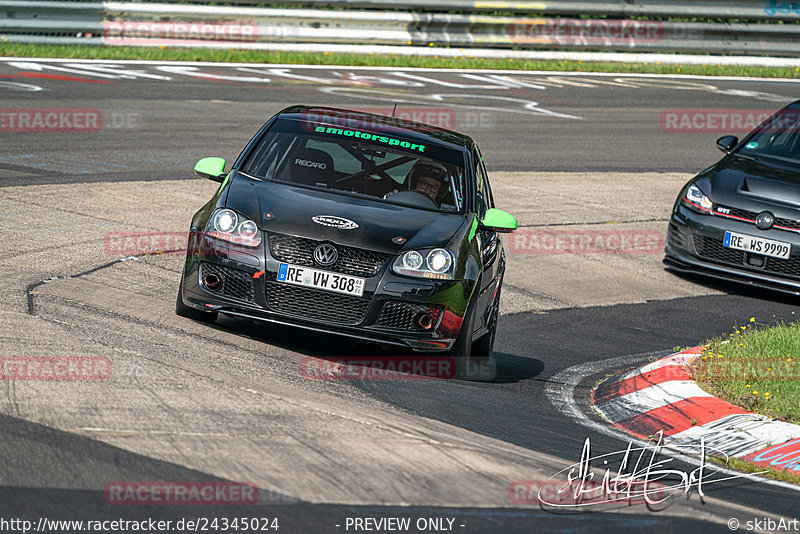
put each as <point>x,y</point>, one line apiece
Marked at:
<point>513,368</point>
<point>506,368</point>
<point>739,289</point>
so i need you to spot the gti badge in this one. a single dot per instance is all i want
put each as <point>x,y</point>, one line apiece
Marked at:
<point>335,222</point>
<point>326,255</point>
<point>765,220</point>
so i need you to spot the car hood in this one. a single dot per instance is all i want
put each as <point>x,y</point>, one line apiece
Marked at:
<point>292,211</point>
<point>735,180</point>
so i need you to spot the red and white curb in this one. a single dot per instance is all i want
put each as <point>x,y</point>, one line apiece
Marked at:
<point>662,396</point>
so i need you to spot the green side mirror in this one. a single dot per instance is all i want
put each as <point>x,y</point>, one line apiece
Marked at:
<point>499,221</point>
<point>211,168</point>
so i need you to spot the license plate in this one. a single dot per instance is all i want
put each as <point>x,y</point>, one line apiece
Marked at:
<point>308,277</point>
<point>757,245</point>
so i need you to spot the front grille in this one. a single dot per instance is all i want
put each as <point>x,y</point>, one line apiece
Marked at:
<point>400,315</point>
<point>712,249</point>
<point>236,284</point>
<point>315,303</point>
<point>678,238</point>
<point>300,251</point>
<point>790,267</point>
<point>751,215</point>
<point>788,223</point>
<point>742,214</point>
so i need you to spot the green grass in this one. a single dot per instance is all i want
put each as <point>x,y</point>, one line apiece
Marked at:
<point>372,60</point>
<point>750,467</point>
<point>755,368</point>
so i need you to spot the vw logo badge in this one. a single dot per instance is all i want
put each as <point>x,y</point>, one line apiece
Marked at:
<point>765,220</point>
<point>325,255</point>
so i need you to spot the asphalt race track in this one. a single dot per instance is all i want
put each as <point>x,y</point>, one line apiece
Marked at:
<point>92,150</point>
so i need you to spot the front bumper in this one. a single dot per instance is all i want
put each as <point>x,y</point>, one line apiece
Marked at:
<point>694,245</point>
<point>385,313</point>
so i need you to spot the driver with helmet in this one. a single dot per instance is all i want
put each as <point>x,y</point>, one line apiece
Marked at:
<point>429,179</point>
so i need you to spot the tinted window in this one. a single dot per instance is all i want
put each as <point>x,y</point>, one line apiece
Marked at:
<point>373,164</point>
<point>778,137</point>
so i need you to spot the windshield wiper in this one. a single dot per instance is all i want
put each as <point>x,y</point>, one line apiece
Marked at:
<point>746,156</point>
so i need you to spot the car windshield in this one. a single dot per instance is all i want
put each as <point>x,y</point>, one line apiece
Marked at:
<point>385,167</point>
<point>777,138</point>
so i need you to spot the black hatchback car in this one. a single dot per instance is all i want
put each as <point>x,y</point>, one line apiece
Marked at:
<point>739,220</point>
<point>355,224</point>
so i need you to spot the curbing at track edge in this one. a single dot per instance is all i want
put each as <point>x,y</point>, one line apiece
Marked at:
<point>662,396</point>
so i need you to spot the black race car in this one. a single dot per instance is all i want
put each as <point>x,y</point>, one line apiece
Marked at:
<point>739,220</point>
<point>354,224</point>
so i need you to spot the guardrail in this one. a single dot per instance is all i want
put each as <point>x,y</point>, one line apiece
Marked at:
<point>715,9</point>
<point>172,24</point>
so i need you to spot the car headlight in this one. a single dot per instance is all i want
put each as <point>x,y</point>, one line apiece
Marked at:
<point>695,200</point>
<point>228,225</point>
<point>437,263</point>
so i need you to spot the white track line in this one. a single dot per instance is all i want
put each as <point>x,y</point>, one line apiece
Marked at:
<point>400,69</point>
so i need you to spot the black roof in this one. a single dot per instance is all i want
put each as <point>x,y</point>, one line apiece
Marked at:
<point>345,118</point>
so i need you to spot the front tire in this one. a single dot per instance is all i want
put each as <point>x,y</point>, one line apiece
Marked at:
<point>473,358</point>
<point>483,347</point>
<point>190,313</point>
